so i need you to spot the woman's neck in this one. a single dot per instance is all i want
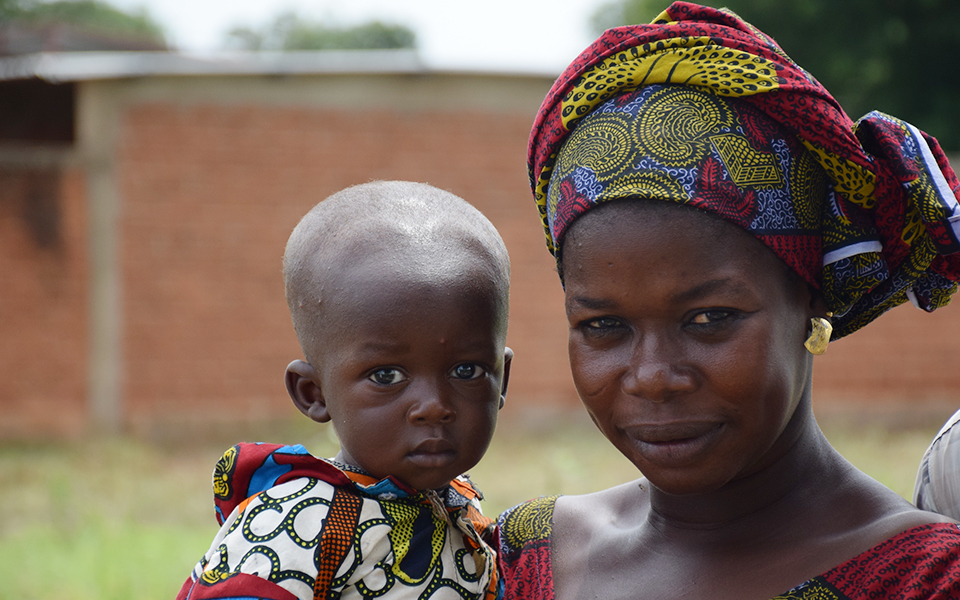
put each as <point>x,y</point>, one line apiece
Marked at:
<point>802,461</point>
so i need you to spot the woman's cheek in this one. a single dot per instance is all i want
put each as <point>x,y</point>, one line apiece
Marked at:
<point>592,373</point>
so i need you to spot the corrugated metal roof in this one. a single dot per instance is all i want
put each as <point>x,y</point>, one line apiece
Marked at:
<point>57,67</point>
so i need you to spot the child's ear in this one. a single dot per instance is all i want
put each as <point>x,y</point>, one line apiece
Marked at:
<point>507,359</point>
<point>303,385</point>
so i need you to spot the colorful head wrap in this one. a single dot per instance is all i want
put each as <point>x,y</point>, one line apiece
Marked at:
<point>701,108</point>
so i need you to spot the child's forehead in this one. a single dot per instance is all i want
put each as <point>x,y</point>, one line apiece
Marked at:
<point>368,267</point>
<point>396,299</point>
<point>395,249</point>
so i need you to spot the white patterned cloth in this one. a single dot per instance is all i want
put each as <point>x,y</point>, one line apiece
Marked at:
<point>331,536</point>
<point>938,479</point>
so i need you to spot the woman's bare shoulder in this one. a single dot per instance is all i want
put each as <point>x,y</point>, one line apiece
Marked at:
<point>870,509</point>
<point>589,512</point>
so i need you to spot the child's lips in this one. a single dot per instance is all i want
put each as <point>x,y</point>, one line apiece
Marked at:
<point>433,453</point>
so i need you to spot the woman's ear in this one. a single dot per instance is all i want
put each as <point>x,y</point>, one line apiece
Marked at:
<point>303,385</point>
<point>818,306</point>
<point>507,359</point>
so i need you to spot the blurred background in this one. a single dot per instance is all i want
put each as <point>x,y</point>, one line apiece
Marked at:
<point>155,155</point>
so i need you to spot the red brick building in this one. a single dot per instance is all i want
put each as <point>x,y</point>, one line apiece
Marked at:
<point>145,200</point>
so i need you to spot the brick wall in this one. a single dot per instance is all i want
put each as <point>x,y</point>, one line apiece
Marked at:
<point>43,269</point>
<point>906,356</point>
<point>209,193</point>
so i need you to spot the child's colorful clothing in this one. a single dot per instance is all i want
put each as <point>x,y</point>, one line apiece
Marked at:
<point>302,527</point>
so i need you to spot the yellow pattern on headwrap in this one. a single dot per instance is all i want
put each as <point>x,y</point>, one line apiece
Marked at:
<point>653,185</point>
<point>856,183</point>
<point>747,167</point>
<point>677,123</point>
<point>913,227</point>
<point>693,61</point>
<point>605,148</point>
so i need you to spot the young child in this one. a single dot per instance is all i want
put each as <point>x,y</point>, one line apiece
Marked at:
<point>398,293</point>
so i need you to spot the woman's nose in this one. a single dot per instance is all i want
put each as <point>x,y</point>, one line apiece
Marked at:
<point>431,405</point>
<point>657,372</point>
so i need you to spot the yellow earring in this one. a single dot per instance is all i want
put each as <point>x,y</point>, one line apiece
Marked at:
<point>820,331</point>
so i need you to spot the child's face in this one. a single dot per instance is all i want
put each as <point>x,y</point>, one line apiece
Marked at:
<point>411,375</point>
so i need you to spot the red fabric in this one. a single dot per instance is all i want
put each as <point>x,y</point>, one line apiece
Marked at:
<point>240,464</point>
<point>238,587</point>
<point>922,563</point>
<point>529,574</point>
<point>247,469</point>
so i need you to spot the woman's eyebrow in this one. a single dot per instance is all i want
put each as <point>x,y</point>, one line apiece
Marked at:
<point>725,284</point>
<point>590,303</point>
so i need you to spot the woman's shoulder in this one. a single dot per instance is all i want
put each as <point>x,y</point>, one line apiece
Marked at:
<point>920,543</point>
<point>527,524</point>
<point>535,520</point>
<point>588,515</point>
<point>530,532</point>
<point>535,525</point>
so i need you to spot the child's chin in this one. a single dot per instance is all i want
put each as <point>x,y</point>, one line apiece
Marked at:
<point>437,482</point>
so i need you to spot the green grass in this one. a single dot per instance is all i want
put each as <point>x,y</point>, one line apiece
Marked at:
<point>121,519</point>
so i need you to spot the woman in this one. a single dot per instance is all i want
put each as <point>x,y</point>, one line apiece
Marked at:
<point>713,214</point>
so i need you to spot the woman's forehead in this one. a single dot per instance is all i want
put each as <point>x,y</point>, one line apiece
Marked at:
<point>657,236</point>
<point>624,216</point>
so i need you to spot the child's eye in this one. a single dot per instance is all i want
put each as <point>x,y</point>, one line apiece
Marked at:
<point>467,371</point>
<point>386,376</point>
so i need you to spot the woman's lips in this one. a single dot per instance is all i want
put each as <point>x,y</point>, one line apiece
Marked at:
<point>675,443</point>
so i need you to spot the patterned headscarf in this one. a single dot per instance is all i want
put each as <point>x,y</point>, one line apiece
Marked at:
<point>702,108</point>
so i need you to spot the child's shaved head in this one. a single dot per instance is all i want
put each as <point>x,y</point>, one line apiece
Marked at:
<point>400,231</point>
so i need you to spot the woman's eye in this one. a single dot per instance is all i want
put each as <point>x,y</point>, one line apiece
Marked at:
<point>710,317</point>
<point>386,376</point>
<point>603,323</point>
<point>467,371</point>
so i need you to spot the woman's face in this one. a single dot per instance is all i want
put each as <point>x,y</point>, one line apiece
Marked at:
<point>686,342</point>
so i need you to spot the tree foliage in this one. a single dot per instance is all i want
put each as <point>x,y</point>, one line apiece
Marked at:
<point>291,32</point>
<point>889,55</point>
<point>90,14</point>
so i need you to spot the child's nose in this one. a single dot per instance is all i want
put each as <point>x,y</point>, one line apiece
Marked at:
<point>431,406</point>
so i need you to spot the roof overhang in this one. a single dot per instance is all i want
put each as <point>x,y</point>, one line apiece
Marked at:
<point>62,67</point>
